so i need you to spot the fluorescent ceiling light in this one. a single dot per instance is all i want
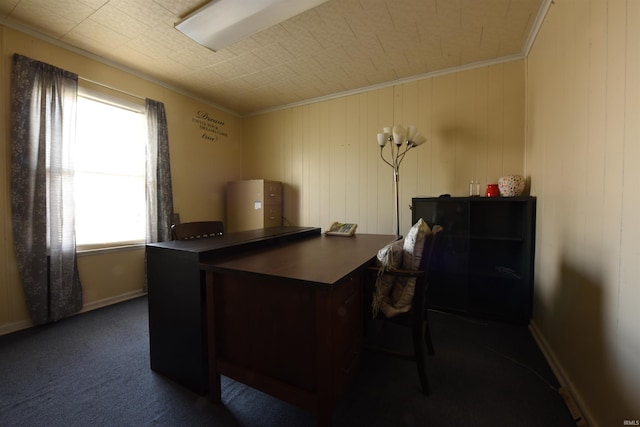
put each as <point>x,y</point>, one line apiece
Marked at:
<point>223,22</point>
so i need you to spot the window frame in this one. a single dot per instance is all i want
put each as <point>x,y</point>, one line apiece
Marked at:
<point>119,100</point>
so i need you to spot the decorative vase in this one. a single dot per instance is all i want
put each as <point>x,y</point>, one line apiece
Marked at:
<point>511,185</point>
<point>492,190</point>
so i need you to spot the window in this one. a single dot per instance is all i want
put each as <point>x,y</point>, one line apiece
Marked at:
<point>109,171</point>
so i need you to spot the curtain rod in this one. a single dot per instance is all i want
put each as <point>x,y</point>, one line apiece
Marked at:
<point>112,88</point>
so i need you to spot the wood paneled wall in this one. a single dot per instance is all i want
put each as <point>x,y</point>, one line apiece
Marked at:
<point>583,146</point>
<point>327,155</point>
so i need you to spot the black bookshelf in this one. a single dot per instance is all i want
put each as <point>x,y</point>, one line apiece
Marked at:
<point>484,262</point>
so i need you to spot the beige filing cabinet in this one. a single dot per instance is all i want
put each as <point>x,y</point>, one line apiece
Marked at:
<point>252,204</point>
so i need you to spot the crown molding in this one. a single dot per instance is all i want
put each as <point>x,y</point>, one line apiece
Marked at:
<point>431,74</point>
<point>533,34</point>
<point>30,31</point>
<point>537,24</point>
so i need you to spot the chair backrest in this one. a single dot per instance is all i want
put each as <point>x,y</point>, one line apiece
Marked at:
<point>429,245</point>
<point>197,230</point>
<point>420,296</point>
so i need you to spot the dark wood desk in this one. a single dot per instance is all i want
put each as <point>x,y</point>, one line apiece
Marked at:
<point>177,315</point>
<point>287,320</point>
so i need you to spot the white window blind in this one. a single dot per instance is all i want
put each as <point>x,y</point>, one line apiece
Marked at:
<point>109,171</point>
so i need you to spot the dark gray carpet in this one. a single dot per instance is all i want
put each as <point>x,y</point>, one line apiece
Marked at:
<point>93,370</point>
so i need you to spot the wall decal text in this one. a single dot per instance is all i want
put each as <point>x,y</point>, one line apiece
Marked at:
<point>212,129</point>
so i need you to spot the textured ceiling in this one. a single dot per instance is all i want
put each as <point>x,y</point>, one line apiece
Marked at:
<point>341,45</point>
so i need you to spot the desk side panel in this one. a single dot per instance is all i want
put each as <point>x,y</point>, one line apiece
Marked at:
<point>347,329</point>
<point>176,317</point>
<point>266,325</point>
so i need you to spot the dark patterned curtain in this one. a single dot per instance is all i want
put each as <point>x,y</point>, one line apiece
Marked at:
<point>43,113</point>
<point>159,194</point>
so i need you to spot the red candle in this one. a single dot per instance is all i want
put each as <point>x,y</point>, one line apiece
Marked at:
<point>492,190</point>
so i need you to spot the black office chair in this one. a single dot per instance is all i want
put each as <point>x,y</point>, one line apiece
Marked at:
<point>417,317</point>
<point>197,230</point>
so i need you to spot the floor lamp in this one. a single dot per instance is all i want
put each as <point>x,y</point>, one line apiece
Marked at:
<point>400,141</point>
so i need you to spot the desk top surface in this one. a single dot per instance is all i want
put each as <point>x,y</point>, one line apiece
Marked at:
<point>320,259</point>
<point>233,239</point>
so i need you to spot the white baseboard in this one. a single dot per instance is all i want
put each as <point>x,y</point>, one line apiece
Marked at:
<point>112,300</point>
<point>577,406</point>
<point>15,327</point>
<point>26,324</point>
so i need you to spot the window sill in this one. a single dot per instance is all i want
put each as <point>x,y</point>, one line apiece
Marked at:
<point>103,250</point>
